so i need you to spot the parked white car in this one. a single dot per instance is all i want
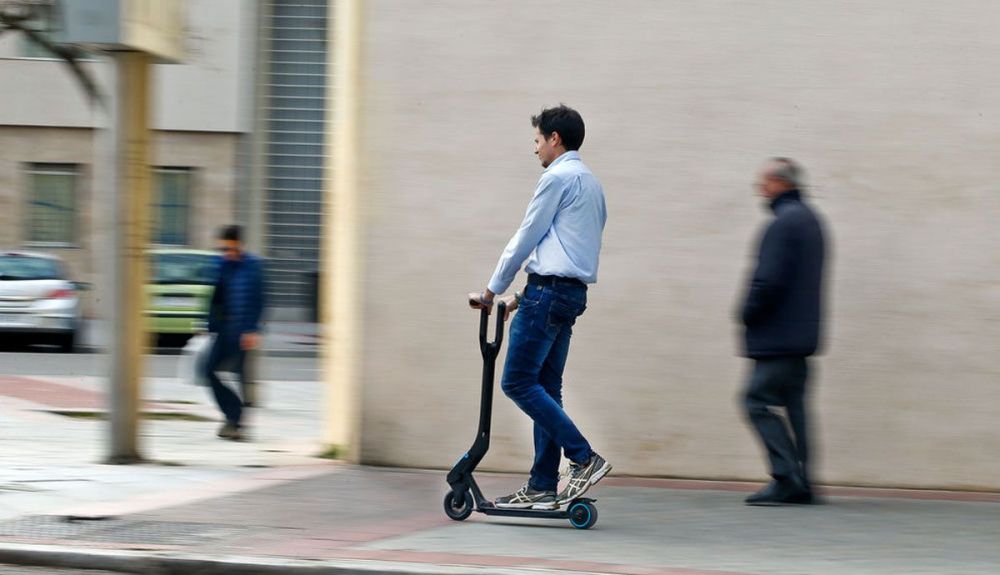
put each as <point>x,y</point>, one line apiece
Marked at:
<point>37,299</point>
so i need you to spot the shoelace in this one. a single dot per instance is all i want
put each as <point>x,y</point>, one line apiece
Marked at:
<point>523,491</point>
<point>571,471</point>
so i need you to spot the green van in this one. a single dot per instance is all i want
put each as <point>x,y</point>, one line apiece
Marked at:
<point>180,291</point>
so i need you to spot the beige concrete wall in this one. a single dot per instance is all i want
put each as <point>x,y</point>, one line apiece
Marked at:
<point>892,106</point>
<point>212,156</point>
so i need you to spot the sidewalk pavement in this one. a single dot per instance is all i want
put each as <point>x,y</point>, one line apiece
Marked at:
<point>202,505</point>
<point>348,519</point>
<point>280,339</point>
<point>54,436</point>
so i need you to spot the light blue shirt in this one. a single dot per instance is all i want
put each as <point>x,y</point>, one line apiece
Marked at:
<point>562,228</point>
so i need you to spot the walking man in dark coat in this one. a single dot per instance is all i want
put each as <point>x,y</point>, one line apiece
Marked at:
<point>782,316</point>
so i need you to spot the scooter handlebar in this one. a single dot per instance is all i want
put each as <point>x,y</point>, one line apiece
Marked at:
<point>501,318</point>
<point>484,320</point>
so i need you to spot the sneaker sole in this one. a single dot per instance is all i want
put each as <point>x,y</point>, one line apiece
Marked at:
<point>766,504</point>
<point>600,473</point>
<point>597,476</point>
<point>515,505</point>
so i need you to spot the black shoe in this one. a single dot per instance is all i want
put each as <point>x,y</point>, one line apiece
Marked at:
<point>781,493</point>
<point>807,497</point>
<point>232,432</point>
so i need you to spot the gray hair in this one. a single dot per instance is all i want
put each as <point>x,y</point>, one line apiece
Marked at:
<point>787,170</point>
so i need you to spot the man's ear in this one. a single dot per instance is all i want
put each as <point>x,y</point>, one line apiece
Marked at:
<point>556,139</point>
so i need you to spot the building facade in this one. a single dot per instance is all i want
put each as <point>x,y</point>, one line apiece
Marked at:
<point>890,106</point>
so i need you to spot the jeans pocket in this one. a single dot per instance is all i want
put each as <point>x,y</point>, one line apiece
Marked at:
<point>564,311</point>
<point>529,301</point>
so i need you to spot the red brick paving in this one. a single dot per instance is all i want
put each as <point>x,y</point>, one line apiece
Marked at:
<point>51,394</point>
<point>59,395</point>
<point>749,487</point>
<point>517,562</point>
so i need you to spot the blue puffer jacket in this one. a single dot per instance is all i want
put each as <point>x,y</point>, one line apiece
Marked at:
<point>238,300</point>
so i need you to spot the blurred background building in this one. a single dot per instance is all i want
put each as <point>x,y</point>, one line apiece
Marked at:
<point>284,206</point>
<point>239,137</point>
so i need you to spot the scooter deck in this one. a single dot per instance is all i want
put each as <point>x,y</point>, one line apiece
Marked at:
<point>489,508</point>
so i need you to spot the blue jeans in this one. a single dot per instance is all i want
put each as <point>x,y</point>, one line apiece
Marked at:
<point>532,376</point>
<point>226,353</point>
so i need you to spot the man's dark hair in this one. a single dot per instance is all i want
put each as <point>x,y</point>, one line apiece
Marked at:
<point>231,233</point>
<point>563,120</point>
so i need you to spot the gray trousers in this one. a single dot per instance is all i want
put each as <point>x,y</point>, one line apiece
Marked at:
<point>781,382</point>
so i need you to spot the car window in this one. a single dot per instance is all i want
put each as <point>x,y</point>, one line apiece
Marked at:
<point>188,269</point>
<point>15,267</point>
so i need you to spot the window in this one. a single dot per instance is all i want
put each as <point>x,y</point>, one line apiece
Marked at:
<point>173,202</point>
<point>17,267</point>
<point>52,204</point>
<point>183,268</point>
<point>43,21</point>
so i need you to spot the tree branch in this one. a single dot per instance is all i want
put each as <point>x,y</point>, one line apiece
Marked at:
<point>70,55</point>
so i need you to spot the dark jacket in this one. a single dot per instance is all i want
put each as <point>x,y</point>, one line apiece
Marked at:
<point>238,299</point>
<point>784,304</point>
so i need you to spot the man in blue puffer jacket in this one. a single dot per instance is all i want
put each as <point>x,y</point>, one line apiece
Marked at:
<point>234,318</point>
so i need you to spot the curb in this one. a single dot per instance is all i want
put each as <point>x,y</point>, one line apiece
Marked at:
<point>169,563</point>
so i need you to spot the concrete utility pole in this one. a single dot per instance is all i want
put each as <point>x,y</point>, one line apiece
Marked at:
<point>136,33</point>
<point>131,136</point>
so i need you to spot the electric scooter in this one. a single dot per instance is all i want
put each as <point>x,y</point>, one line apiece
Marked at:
<point>465,495</point>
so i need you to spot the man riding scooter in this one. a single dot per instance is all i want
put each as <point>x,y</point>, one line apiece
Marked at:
<point>561,232</point>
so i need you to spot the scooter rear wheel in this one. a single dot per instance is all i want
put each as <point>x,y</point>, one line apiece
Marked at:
<point>458,506</point>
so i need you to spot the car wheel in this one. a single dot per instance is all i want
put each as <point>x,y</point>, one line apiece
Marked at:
<point>67,342</point>
<point>172,340</point>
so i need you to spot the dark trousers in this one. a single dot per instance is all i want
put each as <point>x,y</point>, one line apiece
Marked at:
<point>226,354</point>
<point>781,382</point>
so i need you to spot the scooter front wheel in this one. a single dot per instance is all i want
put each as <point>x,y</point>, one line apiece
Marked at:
<point>458,506</point>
